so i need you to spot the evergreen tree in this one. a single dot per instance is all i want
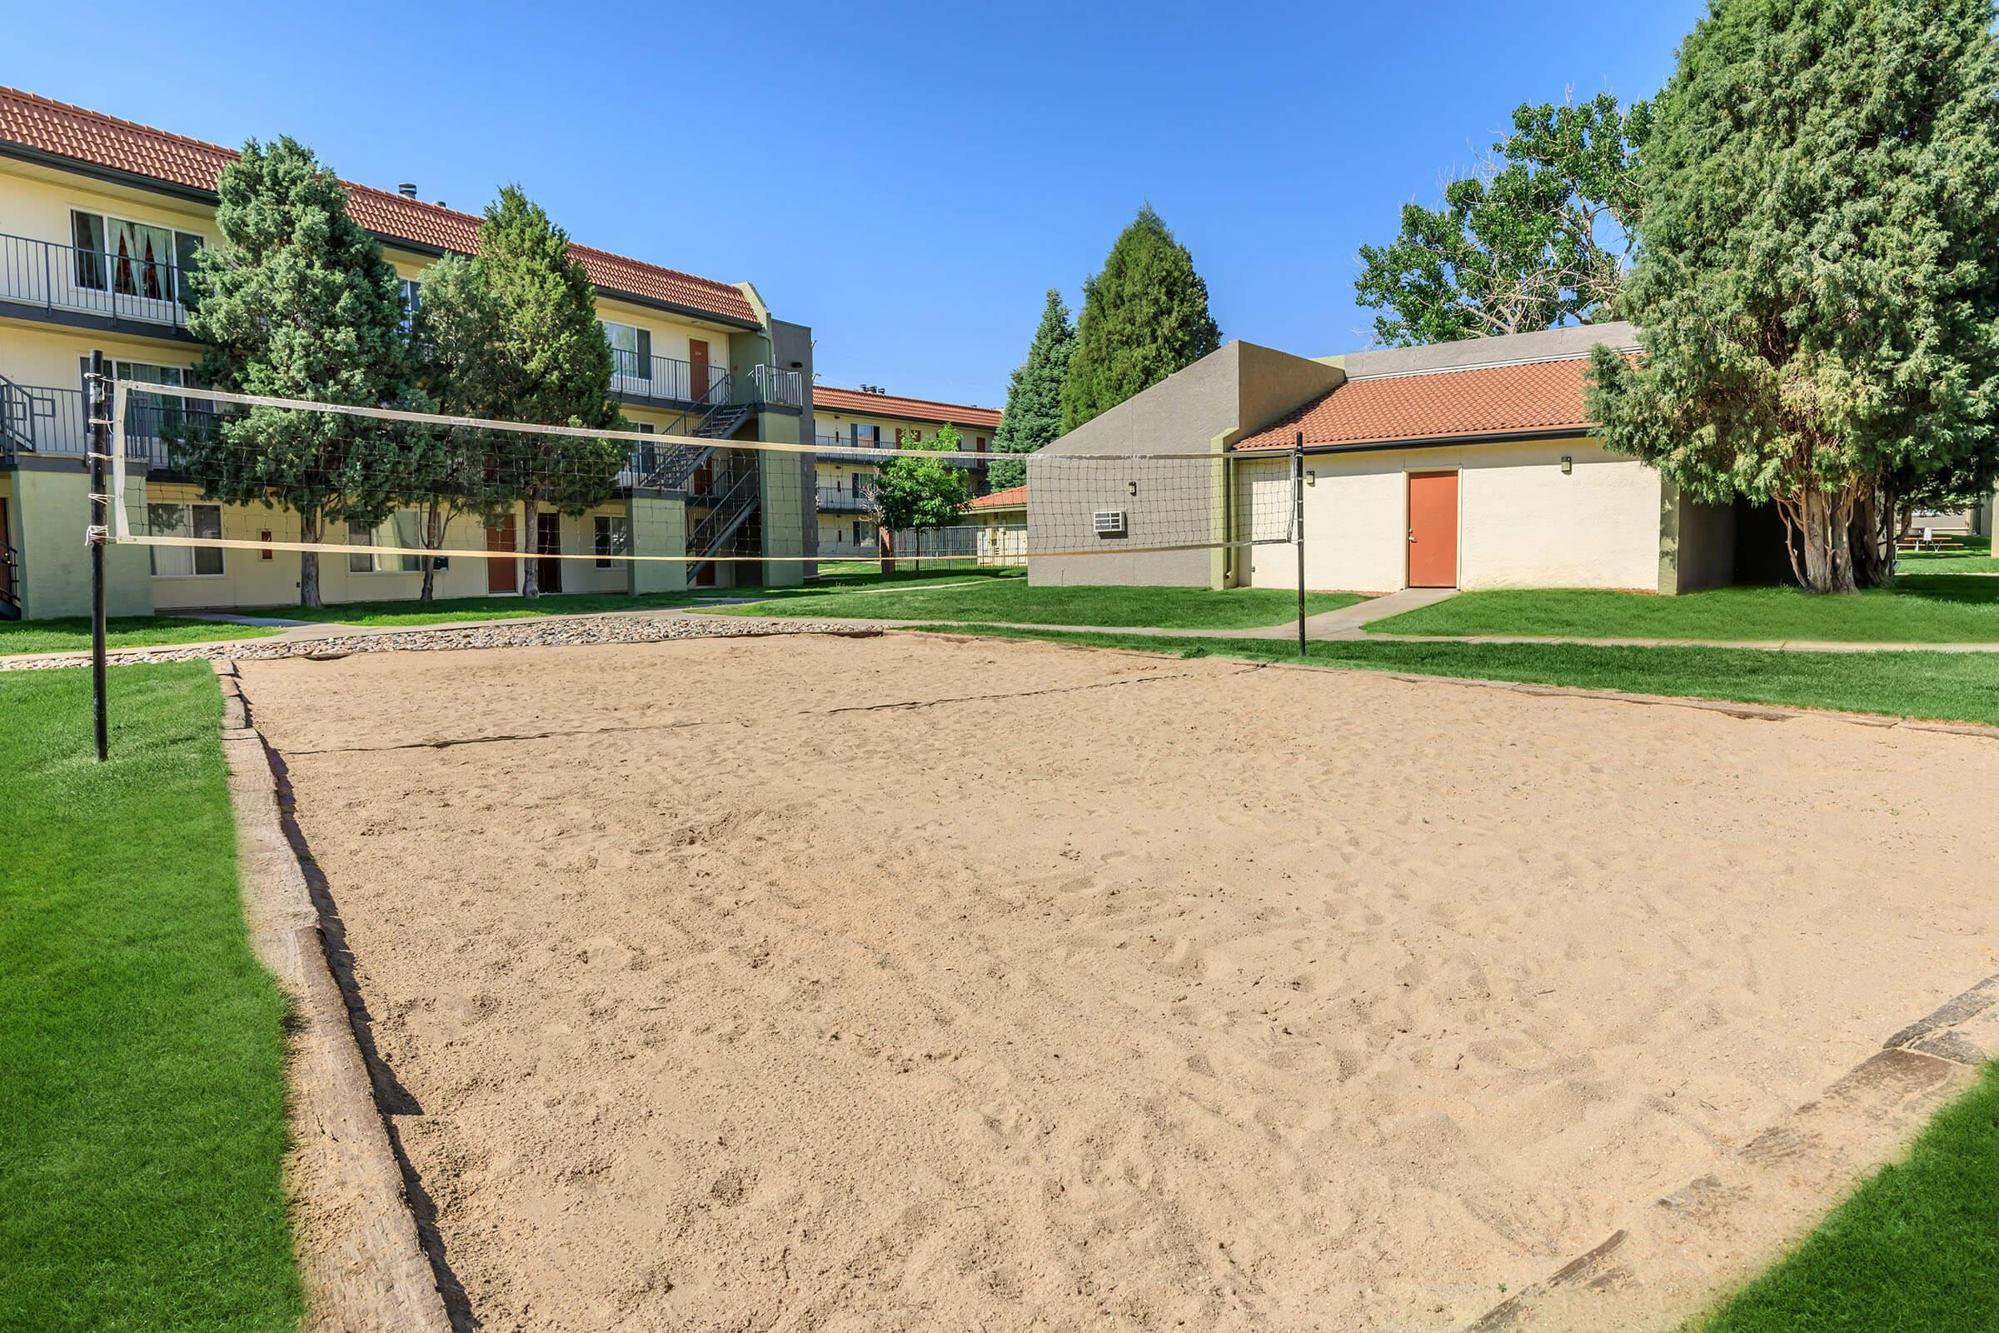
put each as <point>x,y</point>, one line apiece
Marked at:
<point>1818,274</point>
<point>1033,413</point>
<point>449,471</point>
<point>1144,317</point>
<point>297,302</point>
<point>552,365</point>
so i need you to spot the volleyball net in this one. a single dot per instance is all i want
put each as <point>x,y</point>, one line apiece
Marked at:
<point>210,480</point>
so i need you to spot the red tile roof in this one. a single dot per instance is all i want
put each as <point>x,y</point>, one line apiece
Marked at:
<point>1013,497</point>
<point>81,135</point>
<point>1524,399</point>
<point>905,409</point>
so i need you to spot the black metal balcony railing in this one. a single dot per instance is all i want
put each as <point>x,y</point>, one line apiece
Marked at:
<point>52,277</point>
<point>50,423</point>
<point>665,379</point>
<point>834,499</point>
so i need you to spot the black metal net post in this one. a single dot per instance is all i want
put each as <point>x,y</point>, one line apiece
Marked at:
<point>97,534</point>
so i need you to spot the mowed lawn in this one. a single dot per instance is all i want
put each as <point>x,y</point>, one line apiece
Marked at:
<point>985,597</point>
<point>1915,1247</point>
<point>142,1090</point>
<point>1920,608</point>
<point>1968,555</point>
<point>1951,687</point>
<point>71,634</point>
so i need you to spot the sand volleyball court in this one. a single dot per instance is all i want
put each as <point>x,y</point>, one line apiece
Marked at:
<point>910,983</point>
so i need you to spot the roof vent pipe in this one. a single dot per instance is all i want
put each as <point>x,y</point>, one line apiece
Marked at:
<point>407,189</point>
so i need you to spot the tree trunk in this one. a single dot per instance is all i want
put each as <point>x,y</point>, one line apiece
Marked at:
<point>1820,524</point>
<point>530,567</point>
<point>308,561</point>
<point>1873,538</point>
<point>433,538</point>
<point>885,547</point>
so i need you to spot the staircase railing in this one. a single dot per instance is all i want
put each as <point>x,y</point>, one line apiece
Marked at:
<point>727,513</point>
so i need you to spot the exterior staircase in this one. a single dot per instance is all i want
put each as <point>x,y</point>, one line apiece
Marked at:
<point>734,504</point>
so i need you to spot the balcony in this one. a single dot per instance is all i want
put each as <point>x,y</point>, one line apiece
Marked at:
<point>39,422</point>
<point>82,286</point>
<point>777,386</point>
<point>835,500</point>
<point>665,380</point>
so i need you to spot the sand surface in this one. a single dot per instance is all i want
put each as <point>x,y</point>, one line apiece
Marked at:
<point>912,984</point>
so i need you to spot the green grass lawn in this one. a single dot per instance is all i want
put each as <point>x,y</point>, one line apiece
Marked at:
<point>142,1090</point>
<point>985,596</point>
<point>1975,557</point>
<point>72,633</point>
<point>1916,1247</point>
<point>1955,687</point>
<point>1920,608</point>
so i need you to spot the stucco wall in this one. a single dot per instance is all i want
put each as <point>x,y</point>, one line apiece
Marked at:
<point>1179,502</point>
<point>1522,522</point>
<point>1696,543</point>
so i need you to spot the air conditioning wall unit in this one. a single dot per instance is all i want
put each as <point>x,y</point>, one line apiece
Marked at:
<point>1109,522</point>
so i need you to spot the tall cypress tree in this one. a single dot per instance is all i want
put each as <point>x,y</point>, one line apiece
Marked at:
<point>553,364</point>
<point>1818,274</point>
<point>1033,413</point>
<point>297,302</point>
<point>1144,317</point>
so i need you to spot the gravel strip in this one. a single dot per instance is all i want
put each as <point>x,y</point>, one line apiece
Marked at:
<point>622,627</point>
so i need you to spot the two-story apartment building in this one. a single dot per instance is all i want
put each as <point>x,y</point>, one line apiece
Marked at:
<point>856,419</point>
<point>100,219</point>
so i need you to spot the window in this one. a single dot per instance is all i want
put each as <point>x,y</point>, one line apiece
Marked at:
<point>131,258</point>
<point>412,293</point>
<point>152,417</point>
<point>860,533</point>
<point>978,444</point>
<point>361,534</point>
<point>631,350</point>
<point>865,437</point>
<point>190,520</point>
<point>613,537</point>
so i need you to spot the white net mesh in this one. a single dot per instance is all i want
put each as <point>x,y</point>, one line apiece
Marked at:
<point>210,480</point>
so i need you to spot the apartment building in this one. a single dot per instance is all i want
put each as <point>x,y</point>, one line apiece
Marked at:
<point>99,220</point>
<point>846,420</point>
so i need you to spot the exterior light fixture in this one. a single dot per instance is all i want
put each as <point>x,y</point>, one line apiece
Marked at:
<point>1568,465</point>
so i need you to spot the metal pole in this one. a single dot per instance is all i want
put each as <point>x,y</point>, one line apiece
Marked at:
<point>1298,527</point>
<point>96,535</point>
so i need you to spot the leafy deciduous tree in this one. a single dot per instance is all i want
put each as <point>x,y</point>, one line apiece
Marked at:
<point>297,302</point>
<point>1144,317</point>
<point>1818,276</point>
<point>1540,235</point>
<point>913,492</point>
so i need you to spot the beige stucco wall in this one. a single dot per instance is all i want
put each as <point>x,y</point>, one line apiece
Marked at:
<point>249,580</point>
<point>1522,522</point>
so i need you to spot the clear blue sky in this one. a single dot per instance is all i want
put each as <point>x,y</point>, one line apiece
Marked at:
<point>905,178</point>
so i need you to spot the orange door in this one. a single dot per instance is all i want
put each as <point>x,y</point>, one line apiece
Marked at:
<point>697,369</point>
<point>1433,529</point>
<point>500,573</point>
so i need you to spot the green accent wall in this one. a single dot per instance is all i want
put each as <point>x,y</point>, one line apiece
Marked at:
<point>48,511</point>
